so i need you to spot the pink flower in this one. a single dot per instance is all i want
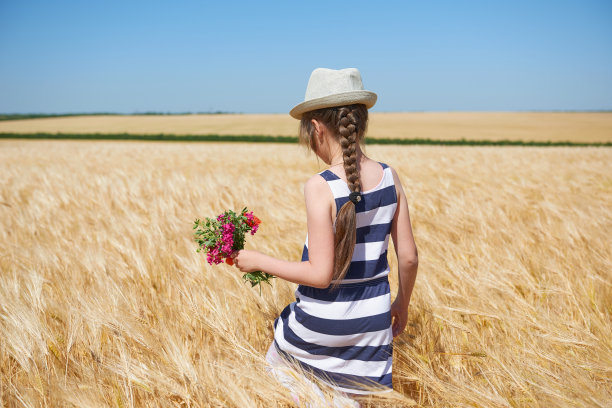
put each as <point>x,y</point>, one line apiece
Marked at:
<point>227,238</point>
<point>214,256</point>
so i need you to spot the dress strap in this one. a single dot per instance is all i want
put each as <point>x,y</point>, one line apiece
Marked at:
<point>338,187</point>
<point>328,175</point>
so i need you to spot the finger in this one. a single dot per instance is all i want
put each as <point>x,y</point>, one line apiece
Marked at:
<point>234,254</point>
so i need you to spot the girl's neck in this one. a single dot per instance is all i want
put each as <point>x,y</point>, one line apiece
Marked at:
<point>338,159</point>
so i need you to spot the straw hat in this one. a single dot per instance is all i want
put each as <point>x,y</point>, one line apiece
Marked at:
<point>330,87</point>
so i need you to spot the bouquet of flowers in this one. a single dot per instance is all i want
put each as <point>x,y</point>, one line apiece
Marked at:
<point>221,236</point>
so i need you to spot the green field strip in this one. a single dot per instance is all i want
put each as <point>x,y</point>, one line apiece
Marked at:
<point>284,139</point>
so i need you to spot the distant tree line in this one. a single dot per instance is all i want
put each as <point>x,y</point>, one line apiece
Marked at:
<point>18,116</point>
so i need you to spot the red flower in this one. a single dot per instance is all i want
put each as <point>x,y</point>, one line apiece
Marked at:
<point>229,261</point>
<point>252,220</point>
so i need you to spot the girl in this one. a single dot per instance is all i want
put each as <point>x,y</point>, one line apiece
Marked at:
<point>341,326</point>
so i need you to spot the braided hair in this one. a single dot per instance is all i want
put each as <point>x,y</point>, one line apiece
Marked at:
<point>348,124</point>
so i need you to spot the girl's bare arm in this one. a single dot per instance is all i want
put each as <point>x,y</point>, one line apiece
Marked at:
<point>318,270</point>
<point>405,247</point>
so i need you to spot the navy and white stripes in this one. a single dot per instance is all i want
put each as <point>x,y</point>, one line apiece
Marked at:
<point>344,336</point>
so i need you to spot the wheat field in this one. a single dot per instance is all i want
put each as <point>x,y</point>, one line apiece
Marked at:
<point>527,126</point>
<point>104,301</point>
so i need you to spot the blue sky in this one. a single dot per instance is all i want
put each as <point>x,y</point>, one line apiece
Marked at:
<point>252,57</point>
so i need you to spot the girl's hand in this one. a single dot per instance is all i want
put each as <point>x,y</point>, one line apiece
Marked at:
<point>246,260</point>
<point>399,314</point>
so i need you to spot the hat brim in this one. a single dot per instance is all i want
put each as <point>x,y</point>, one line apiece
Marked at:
<point>340,99</point>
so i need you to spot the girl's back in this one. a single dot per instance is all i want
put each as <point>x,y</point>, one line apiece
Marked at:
<point>374,216</point>
<point>370,173</point>
<point>344,333</point>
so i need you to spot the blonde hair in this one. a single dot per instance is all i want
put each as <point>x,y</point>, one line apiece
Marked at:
<point>348,124</point>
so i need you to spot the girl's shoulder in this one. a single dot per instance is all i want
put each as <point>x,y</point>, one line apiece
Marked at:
<point>316,184</point>
<point>318,196</point>
<point>391,170</point>
<point>397,182</point>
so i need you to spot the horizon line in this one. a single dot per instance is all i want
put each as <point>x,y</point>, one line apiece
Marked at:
<point>34,115</point>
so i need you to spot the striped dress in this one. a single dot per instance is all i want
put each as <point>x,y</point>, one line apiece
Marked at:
<point>344,336</point>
